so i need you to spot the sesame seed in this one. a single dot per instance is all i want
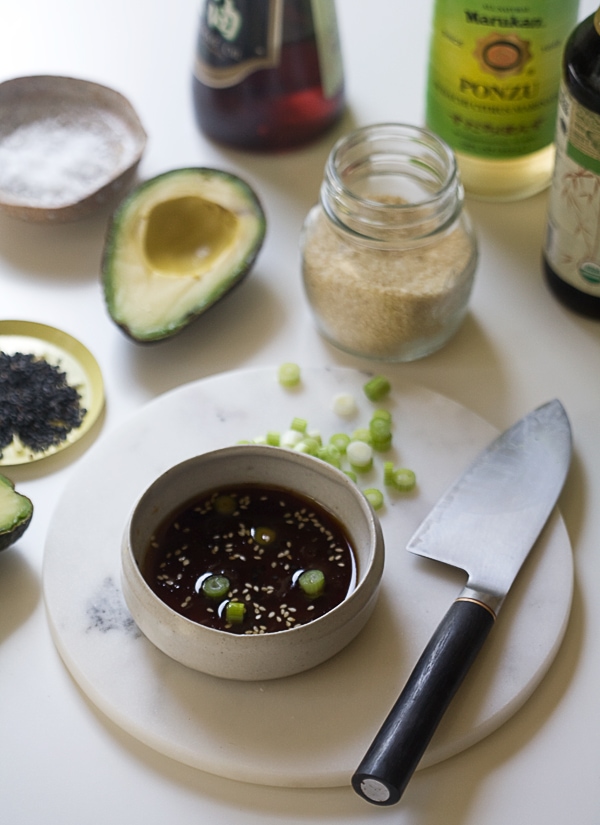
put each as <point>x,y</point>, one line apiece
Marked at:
<point>269,572</point>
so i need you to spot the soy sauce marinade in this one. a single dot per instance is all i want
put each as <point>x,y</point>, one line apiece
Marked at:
<point>261,540</point>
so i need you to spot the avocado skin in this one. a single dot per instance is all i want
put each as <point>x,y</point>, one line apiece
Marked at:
<point>12,534</point>
<point>234,276</point>
<point>184,321</point>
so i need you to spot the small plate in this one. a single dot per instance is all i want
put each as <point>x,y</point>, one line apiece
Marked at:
<point>79,365</point>
<point>67,146</point>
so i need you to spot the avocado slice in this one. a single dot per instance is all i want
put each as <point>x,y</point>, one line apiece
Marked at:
<point>16,511</point>
<point>177,244</point>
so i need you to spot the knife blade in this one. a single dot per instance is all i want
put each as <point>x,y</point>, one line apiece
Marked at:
<point>485,523</point>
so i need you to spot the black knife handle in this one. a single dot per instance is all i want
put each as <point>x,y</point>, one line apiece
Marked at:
<point>395,752</point>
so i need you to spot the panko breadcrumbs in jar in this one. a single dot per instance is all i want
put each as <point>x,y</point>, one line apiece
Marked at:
<point>389,254</point>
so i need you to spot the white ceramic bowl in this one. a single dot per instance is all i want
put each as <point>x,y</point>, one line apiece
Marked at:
<point>261,656</point>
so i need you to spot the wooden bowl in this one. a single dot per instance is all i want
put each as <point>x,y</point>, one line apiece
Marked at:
<point>67,147</point>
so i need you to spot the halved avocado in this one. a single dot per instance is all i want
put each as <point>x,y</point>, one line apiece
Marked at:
<point>177,244</point>
<point>16,511</point>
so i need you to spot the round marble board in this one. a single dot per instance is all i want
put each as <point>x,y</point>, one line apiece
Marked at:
<point>309,730</point>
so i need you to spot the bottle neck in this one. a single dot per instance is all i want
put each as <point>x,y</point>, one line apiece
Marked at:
<point>392,185</point>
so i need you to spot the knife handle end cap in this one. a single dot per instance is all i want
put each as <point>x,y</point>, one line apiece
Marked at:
<point>375,790</point>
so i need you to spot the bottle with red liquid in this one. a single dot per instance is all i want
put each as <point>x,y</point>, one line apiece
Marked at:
<point>268,74</point>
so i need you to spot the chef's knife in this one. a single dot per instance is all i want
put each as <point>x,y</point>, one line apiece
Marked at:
<point>485,524</point>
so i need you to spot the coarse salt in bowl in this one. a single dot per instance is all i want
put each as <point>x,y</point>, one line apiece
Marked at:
<point>251,655</point>
<point>67,147</point>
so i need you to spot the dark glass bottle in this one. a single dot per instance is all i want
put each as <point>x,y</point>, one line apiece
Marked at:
<point>268,73</point>
<point>571,255</point>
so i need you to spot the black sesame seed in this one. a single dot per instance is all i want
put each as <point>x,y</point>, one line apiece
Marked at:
<point>37,405</point>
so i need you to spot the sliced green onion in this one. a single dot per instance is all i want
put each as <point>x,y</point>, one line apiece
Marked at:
<point>381,433</point>
<point>383,414</point>
<point>299,424</point>
<point>377,388</point>
<point>330,454</point>
<point>225,505</point>
<point>273,438</point>
<point>362,434</point>
<point>288,375</point>
<point>312,582</point>
<point>234,612</point>
<point>263,535</point>
<point>215,587</point>
<point>315,435</point>
<point>404,480</point>
<point>379,427</point>
<point>389,473</point>
<point>351,475</point>
<point>340,441</point>
<point>360,456</point>
<point>307,445</point>
<point>344,405</point>
<point>374,497</point>
<point>382,444</point>
<point>290,438</point>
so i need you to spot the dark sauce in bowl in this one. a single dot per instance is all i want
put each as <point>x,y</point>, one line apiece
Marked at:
<point>261,539</point>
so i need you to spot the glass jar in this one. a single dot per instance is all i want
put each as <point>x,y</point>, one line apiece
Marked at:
<point>388,254</point>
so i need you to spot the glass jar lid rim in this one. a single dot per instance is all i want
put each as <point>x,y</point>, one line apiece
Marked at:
<point>391,130</point>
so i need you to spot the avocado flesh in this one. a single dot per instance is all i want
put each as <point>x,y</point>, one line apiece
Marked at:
<point>178,244</point>
<point>16,511</point>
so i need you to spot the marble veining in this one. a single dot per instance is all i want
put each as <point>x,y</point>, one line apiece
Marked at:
<point>107,611</point>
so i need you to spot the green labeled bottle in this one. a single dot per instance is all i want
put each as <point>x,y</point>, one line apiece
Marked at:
<point>572,244</point>
<point>492,90</point>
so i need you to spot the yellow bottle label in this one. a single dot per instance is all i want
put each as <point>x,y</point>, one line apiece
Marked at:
<point>494,73</point>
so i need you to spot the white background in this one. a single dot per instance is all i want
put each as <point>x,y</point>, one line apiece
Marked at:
<point>61,761</point>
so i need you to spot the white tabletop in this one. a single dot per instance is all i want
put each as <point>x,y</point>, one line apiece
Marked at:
<point>61,760</point>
